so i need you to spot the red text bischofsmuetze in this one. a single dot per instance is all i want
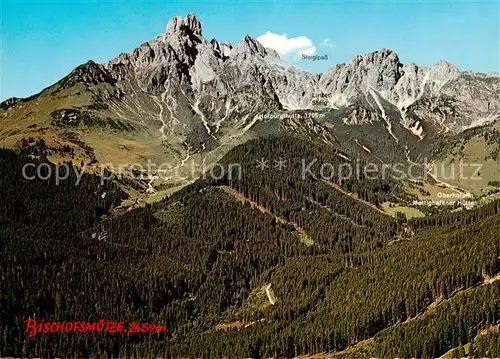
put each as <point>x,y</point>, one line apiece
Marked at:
<point>34,327</point>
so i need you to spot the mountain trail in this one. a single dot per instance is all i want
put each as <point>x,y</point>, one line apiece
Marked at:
<point>270,294</point>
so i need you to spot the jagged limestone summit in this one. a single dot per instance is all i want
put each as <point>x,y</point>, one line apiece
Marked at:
<point>186,99</point>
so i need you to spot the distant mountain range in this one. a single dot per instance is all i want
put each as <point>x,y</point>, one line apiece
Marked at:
<point>277,262</point>
<point>184,99</point>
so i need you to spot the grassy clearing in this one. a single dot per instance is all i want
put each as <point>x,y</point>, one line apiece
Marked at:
<point>393,208</point>
<point>158,196</point>
<point>479,168</point>
<point>427,191</point>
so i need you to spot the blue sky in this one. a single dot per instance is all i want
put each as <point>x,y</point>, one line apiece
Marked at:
<point>44,40</point>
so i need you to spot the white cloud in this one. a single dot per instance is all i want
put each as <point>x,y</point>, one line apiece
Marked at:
<point>326,43</point>
<point>309,51</point>
<point>285,46</point>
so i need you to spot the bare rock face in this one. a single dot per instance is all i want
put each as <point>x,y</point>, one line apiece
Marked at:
<point>10,102</point>
<point>359,116</point>
<point>226,48</point>
<point>89,73</point>
<point>195,99</point>
<point>211,87</point>
<point>379,70</point>
<point>250,47</point>
<point>189,23</point>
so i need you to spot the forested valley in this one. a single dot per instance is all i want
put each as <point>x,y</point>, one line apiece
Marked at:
<point>267,264</point>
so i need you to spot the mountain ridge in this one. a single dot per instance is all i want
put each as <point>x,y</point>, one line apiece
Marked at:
<point>190,26</point>
<point>191,98</point>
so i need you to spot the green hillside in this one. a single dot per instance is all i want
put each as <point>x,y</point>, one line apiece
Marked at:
<point>224,264</point>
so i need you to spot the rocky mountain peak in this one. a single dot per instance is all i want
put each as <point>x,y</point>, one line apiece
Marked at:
<point>226,48</point>
<point>384,58</point>
<point>386,54</point>
<point>197,96</point>
<point>379,70</point>
<point>210,83</point>
<point>89,73</point>
<point>177,24</point>
<point>444,70</point>
<point>251,46</point>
